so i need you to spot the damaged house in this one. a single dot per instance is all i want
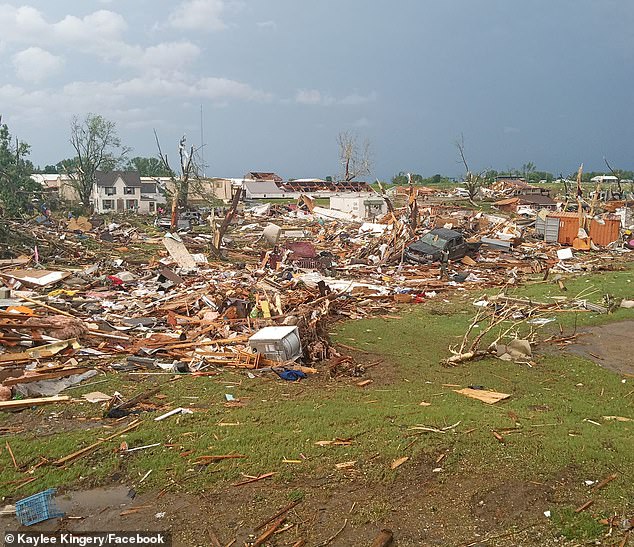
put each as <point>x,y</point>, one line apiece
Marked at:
<point>118,191</point>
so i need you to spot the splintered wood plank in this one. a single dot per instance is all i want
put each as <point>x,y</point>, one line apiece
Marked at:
<point>26,403</point>
<point>484,395</point>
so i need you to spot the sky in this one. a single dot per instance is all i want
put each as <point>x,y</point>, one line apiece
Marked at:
<point>542,81</point>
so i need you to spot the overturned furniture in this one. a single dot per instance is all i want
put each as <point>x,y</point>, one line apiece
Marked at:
<point>277,343</point>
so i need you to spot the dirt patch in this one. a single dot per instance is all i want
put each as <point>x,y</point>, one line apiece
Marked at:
<point>421,508</point>
<point>510,502</point>
<point>608,346</point>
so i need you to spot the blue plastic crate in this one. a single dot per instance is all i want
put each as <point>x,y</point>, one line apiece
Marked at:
<point>37,508</point>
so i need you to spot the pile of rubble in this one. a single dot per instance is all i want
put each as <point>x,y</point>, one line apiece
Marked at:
<point>285,274</point>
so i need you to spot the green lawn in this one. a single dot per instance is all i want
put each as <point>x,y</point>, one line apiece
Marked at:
<point>548,424</point>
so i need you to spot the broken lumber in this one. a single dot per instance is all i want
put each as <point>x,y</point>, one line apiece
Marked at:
<point>27,403</point>
<point>269,532</point>
<point>254,479</point>
<point>383,539</point>
<point>484,395</point>
<point>281,512</point>
<point>604,482</point>
<point>205,460</point>
<point>44,376</point>
<point>84,451</point>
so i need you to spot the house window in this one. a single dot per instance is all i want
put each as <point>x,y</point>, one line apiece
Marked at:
<point>110,190</point>
<point>152,206</point>
<point>128,191</point>
<point>131,204</point>
<point>107,204</point>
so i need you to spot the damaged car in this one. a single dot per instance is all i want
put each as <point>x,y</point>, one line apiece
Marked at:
<point>430,247</point>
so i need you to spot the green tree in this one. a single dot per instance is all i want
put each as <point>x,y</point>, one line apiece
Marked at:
<point>147,167</point>
<point>400,179</point>
<point>97,147</point>
<point>16,186</point>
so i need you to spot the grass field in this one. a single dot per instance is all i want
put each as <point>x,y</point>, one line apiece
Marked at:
<point>552,425</point>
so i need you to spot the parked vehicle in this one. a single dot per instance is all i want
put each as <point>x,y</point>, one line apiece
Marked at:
<point>165,223</point>
<point>193,216</point>
<point>430,247</point>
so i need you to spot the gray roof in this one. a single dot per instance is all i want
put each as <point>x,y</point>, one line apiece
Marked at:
<point>262,187</point>
<point>108,178</point>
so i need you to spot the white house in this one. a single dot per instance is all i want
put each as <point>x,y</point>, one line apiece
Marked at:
<point>262,190</point>
<point>118,191</point>
<point>363,205</point>
<point>604,179</point>
<point>152,194</point>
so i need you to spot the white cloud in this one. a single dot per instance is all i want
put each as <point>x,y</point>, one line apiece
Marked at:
<point>315,97</point>
<point>116,97</point>
<point>355,99</point>
<point>167,56</point>
<point>308,96</point>
<point>100,33</point>
<point>28,25</point>
<point>101,25</point>
<point>198,15</point>
<point>36,64</point>
<point>267,24</point>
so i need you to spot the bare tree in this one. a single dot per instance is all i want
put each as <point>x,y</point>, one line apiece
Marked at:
<point>188,172</point>
<point>617,175</point>
<point>356,159</point>
<point>97,147</point>
<point>565,183</point>
<point>472,181</point>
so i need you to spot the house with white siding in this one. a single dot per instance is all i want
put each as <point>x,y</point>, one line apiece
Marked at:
<point>117,192</point>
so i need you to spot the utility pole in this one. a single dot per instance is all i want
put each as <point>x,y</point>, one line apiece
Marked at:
<point>202,141</point>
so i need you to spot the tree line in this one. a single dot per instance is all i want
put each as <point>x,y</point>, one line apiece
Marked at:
<point>98,147</point>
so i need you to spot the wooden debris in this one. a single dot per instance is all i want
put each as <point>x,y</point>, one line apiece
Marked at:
<point>280,513</point>
<point>43,376</point>
<point>604,482</point>
<point>618,418</point>
<point>498,436</point>
<point>254,479</point>
<point>87,450</point>
<point>20,404</point>
<point>429,429</point>
<point>269,531</point>
<point>335,442</point>
<point>206,460</point>
<point>8,446</point>
<point>398,462</point>
<point>213,538</point>
<point>335,535</point>
<point>383,539</point>
<point>584,506</point>
<point>134,510</point>
<point>484,395</point>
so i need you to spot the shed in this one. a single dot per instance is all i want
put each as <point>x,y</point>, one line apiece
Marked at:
<point>262,190</point>
<point>568,226</point>
<point>606,230</point>
<point>547,226</point>
<point>361,205</point>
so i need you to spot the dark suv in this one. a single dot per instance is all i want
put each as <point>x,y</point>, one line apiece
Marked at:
<point>429,248</point>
